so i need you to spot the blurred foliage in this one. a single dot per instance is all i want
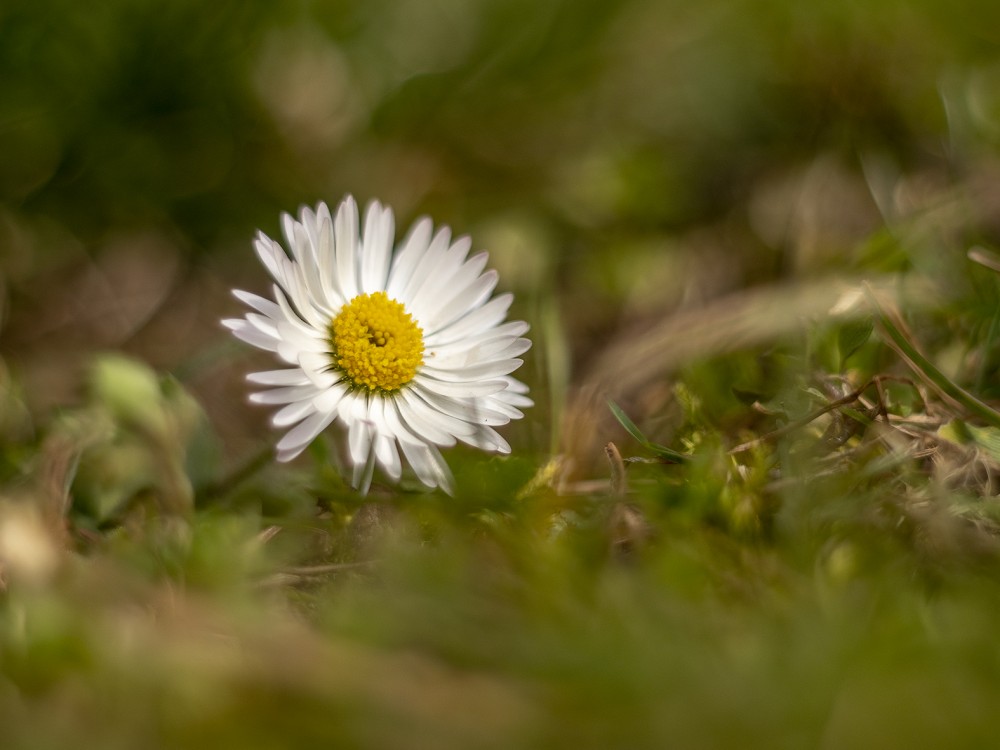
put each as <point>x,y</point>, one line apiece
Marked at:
<point>746,224</point>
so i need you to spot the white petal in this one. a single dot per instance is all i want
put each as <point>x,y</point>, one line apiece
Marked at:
<point>462,277</point>
<point>428,465</point>
<point>288,225</point>
<point>487,439</point>
<point>283,270</point>
<point>516,399</point>
<point>481,371</point>
<point>502,349</point>
<point>309,222</point>
<point>441,282</point>
<point>302,336</point>
<point>421,421</point>
<point>329,399</point>
<point>318,367</point>
<point>466,291</point>
<point>408,257</point>
<point>475,322</point>
<point>463,389</point>
<point>263,324</point>
<point>440,275</point>
<point>259,304</point>
<point>497,349</point>
<point>347,405</point>
<point>303,242</point>
<point>419,457</point>
<point>388,457</point>
<point>361,476</point>
<point>425,412</point>
<point>392,423</point>
<point>296,439</point>
<point>310,278</point>
<point>426,264</point>
<point>323,216</point>
<point>271,256</point>
<point>291,348</point>
<point>359,432</point>
<point>376,247</point>
<point>386,453</point>
<point>345,229</point>
<point>293,413</point>
<point>508,331</point>
<point>246,332</point>
<point>325,258</point>
<point>285,395</point>
<point>294,376</point>
<point>441,471</point>
<point>514,394</point>
<point>505,408</point>
<point>299,295</point>
<point>469,298</point>
<point>471,412</point>
<point>514,385</point>
<point>502,445</point>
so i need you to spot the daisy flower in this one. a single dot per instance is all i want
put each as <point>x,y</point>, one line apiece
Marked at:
<point>405,348</point>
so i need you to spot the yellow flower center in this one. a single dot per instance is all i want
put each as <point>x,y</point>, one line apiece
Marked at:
<point>376,343</point>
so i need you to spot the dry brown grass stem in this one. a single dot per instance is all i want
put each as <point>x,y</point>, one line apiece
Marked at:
<point>738,321</point>
<point>618,481</point>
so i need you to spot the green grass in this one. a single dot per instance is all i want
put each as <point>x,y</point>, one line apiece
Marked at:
<point>756,503</point>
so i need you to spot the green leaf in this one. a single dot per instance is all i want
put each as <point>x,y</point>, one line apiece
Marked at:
<point>665,454</point>
<point>853,336</point>
<point>628,424</point>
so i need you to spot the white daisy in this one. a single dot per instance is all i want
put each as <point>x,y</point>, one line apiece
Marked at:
<point>406,348</point>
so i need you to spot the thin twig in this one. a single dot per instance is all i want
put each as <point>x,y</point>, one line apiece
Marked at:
<point>617,470</point>
<point>297,574</point>
<point>316,570</point>
<point>802,421</point>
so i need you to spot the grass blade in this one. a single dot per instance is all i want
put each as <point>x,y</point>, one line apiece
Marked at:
<point>926,369</point>
<point>661,451</point>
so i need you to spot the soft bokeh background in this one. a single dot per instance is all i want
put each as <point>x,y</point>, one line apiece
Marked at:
<point>619,159</point>
<point>660,182</point>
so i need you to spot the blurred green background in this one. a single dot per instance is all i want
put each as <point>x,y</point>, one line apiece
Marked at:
<point>613,156</point>
<point>633,167</point>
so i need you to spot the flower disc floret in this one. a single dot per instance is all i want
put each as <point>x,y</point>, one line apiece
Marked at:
<point>376,343</point>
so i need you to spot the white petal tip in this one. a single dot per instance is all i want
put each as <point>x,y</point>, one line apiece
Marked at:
<point>286,456</point>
